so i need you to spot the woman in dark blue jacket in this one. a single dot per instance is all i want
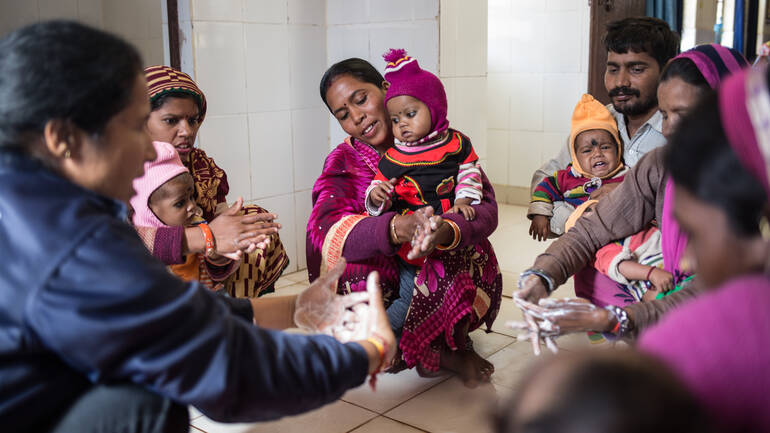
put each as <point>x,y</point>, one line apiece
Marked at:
<point>95,332</point>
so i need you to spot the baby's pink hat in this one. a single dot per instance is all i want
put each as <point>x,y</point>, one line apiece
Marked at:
<point>164,168</point>
<point>406,78</point>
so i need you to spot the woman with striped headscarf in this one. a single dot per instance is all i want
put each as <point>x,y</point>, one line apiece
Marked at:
<point>178,109</point>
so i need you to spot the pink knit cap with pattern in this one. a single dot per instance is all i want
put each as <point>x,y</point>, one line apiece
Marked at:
<point>164,168</point>
<point>406,78</point>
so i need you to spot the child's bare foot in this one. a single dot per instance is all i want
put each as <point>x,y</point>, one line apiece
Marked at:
<point>469,365</point>
<point>650,295</point>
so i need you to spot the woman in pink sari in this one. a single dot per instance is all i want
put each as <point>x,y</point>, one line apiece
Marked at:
<point>459,286</point>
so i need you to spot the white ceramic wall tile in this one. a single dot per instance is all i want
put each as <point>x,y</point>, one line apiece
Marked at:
<point>344,42</point>
<point>219,66</point>
<point>527,102</point>
<point>585,37</point>
<point>151,11</point>
<point>226,140</point>
<point>392,35</point>
<point>561,93</point>
<point>346,11</point>
<point>527,33</point>
<point>310,134</point>
<point>17,14</point>
<point>553,143</point>
<point>265,11</point>
<point>90,12</point>
<point>425,9</point>
<point>449,27</point>
<point>499,54</point>
<point>464,38</point>
<point>563,45</point>
<point>219,10</point>
<point>524,157</point>
<point>498,146</point>
<point>469,113</point>
<point>426,44</point>
<point>307,63</point>
<point>336,134</point>
<point>303,205</point>
<point>164,12</point>
<point>123,18</point>
<point>283,206</point>
<point>563,5</point>
<point>307,12</point>
<point>53,9</point>
<point>499,92</point>
<point>529,5</point>
<point>270,143</point>
<point>391,10</point>
<point>267,67</point>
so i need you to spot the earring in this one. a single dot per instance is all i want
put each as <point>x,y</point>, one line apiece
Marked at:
<point>67,154</point>
<point>764,228</point>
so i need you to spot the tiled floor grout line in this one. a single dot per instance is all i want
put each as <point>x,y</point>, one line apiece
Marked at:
<point>405,423</point>
<point>418,394</point>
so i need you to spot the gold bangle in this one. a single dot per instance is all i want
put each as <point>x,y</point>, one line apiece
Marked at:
<point>393,234</point>
<point>457,236</point>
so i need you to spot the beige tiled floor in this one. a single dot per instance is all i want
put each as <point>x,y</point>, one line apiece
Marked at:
<point>406,402</point>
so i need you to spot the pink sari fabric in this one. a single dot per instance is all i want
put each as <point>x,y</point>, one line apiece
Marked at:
<point>450,285</point>
<point>339,193</point>
<point>673,241</point>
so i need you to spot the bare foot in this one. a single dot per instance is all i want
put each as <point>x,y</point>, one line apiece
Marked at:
<point>472,368</point>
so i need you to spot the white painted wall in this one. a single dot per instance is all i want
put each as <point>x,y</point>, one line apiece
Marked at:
<point>538,68</point>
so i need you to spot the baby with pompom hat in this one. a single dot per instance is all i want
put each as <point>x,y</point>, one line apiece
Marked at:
<point>432,164</point>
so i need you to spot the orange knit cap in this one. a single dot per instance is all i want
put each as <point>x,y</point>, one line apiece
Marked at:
<point>591,114</point>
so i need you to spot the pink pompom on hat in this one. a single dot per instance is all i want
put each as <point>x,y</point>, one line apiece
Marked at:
<point>406,78</point>
<point>164,168</point>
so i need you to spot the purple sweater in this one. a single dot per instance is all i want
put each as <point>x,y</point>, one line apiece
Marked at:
<point>719,344</point>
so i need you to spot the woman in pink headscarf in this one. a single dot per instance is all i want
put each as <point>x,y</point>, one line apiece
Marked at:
<point>645,195</point>
<point>719,162</point>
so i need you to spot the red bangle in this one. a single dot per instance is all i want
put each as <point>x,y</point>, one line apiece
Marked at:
<point>209,238</point>
<point>652,268</point>
<point>382,349</point>
<point>616,328</point>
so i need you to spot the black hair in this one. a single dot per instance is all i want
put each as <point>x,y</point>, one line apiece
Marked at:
<point>160,100</point>
<point>358,68</point>
<point>602,392</point>
<point>699,159</point>
<point>62,70</point>
<point>642,35</point>
<point>685,69</point>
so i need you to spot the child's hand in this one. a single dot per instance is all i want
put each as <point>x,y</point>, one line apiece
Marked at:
<point>382,192</point>
<point>540,227</point>
<point>662,280</point>
<point>467,210</point>
<point>650,295</point>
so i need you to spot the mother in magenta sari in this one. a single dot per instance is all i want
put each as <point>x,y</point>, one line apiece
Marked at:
<point>458,287</point>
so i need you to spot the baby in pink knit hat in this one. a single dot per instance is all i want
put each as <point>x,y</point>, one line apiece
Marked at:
<point>165,197</point>
<point>433,165</point>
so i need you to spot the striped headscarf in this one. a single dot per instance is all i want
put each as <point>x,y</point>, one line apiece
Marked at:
<point>715,61</point>
<point>162,80</point>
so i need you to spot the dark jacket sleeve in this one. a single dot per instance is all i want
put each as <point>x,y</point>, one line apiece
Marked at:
<point>114,313</point>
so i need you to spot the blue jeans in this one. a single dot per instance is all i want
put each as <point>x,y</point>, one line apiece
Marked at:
<point>398,309</point>
<point>123,408</point>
